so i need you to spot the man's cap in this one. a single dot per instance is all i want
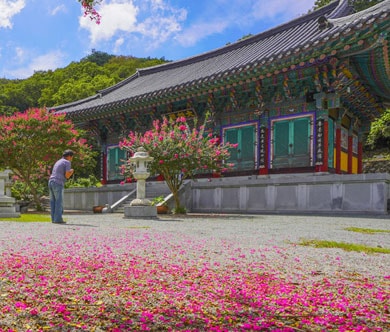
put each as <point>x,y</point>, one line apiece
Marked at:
<point>68,153</point>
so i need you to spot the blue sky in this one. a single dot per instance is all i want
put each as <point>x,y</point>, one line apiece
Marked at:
<point>50,34</point>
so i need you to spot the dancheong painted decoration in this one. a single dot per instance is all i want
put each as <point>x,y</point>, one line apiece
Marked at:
<point>296,98</point>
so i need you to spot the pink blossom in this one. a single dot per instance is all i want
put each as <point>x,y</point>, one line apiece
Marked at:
<point>181,119</point>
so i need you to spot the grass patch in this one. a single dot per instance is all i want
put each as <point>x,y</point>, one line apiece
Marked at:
<point>26,217</point>
<point>366,230</point>
<point>345,246</point>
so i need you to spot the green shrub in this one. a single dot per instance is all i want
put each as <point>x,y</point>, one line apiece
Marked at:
<point>22,192</point>
<point>90,181</point>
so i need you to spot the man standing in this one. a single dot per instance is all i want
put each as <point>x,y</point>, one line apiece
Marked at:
<point>61,172</point>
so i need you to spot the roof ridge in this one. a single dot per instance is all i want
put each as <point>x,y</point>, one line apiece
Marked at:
<point>74,103</point>
<point>343,9</point>
<point>241,43</point>
<point>379,7</point>
<point>119,84</point>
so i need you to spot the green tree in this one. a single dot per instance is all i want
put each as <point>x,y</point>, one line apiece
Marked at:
<point>379,136</point>
<point>76,81</point>
<point>7,110</point>
<point>121,67</point>
<point>13,95</point>
<point>32,141</point>
<point>358,5</point>
<point>76,90</point>
<point>321,3</point>
<point>100,58</point>
<point>179,152</point>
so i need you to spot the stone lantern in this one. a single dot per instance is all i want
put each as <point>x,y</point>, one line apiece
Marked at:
<point>8,182</point>
<point>140,161</point>
<point>140,206</point>
<point>7,203</point>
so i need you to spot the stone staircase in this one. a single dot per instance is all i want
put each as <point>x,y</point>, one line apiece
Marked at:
<point>151,193</point>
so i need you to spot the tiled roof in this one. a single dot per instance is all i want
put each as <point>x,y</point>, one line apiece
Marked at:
<point>294,37</point>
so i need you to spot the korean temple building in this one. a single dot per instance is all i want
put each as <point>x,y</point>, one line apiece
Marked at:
<point>298,98</point>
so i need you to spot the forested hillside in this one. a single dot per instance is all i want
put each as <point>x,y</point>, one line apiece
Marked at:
<point>78,80</point>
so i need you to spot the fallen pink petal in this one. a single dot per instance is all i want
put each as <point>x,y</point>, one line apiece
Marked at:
<point>178,275</point>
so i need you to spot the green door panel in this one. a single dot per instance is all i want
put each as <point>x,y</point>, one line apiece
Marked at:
<point>244,156</point>
<point>281,138</point>
<point>231,136</point>
<point>301,133</point>
<point>247,144</point>
<point>291,143</point>
<point>115,158</point>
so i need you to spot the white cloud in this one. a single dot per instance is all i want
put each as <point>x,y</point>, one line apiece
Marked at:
<point>8,9</point>
<point>158,28</point>
<point>150,23</point>
<point>20,55</point>
<point>153,22</point>
<point>223,14</point>
<point>116,16</point>
<point>199,31</point>
<point>280,8</point>
<point>118,43</point>
<point>52,60</point>
<point>47,61</point>
<point>58,9</point>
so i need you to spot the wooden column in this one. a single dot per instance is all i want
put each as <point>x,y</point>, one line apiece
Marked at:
<point>360,157</point>
<point>350,153</point>
<point>104,167</point>
<point>338,150</point>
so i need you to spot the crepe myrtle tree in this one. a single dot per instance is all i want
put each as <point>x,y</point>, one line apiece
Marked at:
<point>32,141</point>
<point>90,10</point>
<point>179,151</point>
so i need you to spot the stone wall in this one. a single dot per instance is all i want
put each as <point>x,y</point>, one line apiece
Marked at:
<point>378,165</point>
<point>318,194</point>
<point>292,193</point>
<point>377,161</point>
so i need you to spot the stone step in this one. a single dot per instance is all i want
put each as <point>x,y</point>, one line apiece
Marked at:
<point>120,208</point>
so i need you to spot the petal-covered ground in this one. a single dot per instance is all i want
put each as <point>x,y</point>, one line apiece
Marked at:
<point>61,278</point>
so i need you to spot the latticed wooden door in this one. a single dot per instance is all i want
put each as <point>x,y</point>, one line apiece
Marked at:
<point>115,158</point>
<point>292,143</point>
<point>244,157</point>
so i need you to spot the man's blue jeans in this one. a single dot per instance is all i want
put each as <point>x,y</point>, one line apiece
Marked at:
<point>56,201</point>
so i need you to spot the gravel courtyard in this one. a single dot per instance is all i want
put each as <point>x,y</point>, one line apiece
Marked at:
<point>103,272</point>
<point>276,235</point>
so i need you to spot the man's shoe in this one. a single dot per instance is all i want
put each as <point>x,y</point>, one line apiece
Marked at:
<point>59,222</point>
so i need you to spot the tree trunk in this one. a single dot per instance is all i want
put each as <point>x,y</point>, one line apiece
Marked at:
<point>37,200</point>
<point>176,199</point>
<point>36,196</point>
<point>174,184</point>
